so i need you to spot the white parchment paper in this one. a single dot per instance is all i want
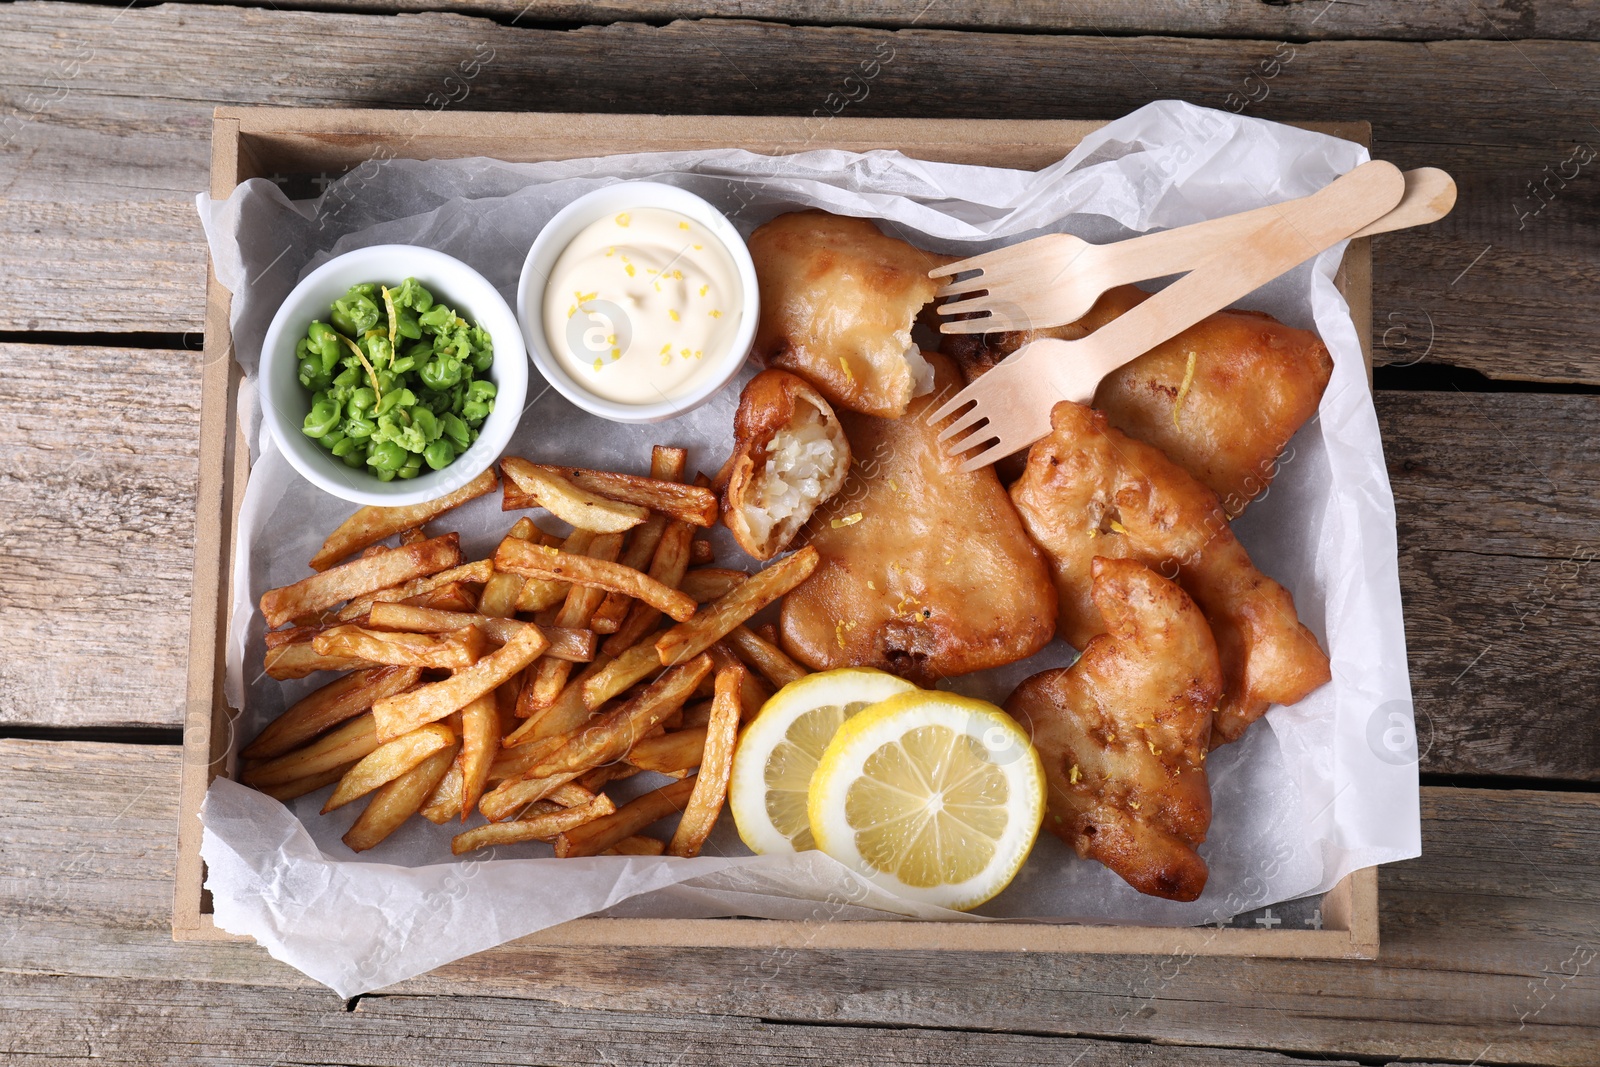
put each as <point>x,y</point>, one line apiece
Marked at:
<point>1310,794</point>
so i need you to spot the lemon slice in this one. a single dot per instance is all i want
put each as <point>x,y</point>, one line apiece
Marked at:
<point>780,748</point>
<point>935,797</point>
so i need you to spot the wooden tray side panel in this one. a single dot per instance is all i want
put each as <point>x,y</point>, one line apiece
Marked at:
<point>248,142</point>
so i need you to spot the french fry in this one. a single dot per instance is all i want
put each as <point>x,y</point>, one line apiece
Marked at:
<point>571,795</point>
<point>480,742</point>
<point>609,830</point>
<point>452,596</point>
<point>716,764</point>
<point>299,787</point>
<point>512,795</point>
<point>529,485</point>
<point>768,633</point>
<point>450,650</point>
<point>773,663</point>
<point>444,803</point>
<point>697,714</point>
<point>615,733</point>
<point>620,674</point>
<point>298,633</point>
<point>389,761</point>
<point>500,592</point>
<point>611,772</point>
<point>666,465</point>
<point>708,583</point>
<point>513,763</point>
<point>667,567</point>
<point>538,561</point>
<point>693,504</point>
<point>397,801</point>
<point>671,753</point>
<point>404,712</point>
<point>568,644</point>
<point>701,553</point>
<point>537,596</point>
<point>540,827</point>
<point>359,578</point>
<point>478,572</point>
<point>566,714</point>
<point>753,692</point>
<point>413,535</point>
<point>353,741</point>
<point>636,846</point>
<point>300,659</point>
<point>339,700</point>
<point>549,676</point>
<point>369,525</point>
<point>714,621</point>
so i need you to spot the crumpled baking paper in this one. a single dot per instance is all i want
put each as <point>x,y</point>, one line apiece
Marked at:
<point>1311,794</point>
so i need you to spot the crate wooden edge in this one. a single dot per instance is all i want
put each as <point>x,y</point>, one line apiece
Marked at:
<point>314,138</point>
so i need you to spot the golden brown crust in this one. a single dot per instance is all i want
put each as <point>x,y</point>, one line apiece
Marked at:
<point>1254,383</point>
<point>772,401</point>
<point>1090,490</point>
<point>925,570</point>
<point>838,298</point>
<point>1123,734</point>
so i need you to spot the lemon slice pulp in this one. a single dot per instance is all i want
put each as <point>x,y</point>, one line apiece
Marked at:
<point>935,797</point>
<point>779,751</point>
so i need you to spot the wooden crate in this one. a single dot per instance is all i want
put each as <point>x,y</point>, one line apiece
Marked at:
<point>256,142</point>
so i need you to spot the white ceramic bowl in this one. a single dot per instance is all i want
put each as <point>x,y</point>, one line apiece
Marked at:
<point>567,224</point>
<point>285,402</point>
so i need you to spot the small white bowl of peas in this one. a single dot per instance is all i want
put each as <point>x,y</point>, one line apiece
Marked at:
<point>393,375</point>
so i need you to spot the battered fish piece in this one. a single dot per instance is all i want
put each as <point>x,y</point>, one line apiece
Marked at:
<point>1123,733</point>
<point>1090,490</point>
<point>925,570</point>
<point>1222,399</point>
<point>838,299</point>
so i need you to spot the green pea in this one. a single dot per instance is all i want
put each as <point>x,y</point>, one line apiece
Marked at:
<point>412,467</point>
<point>356,426</point>
<point>322,417</point>
<point>406,324</point>
<point>426,423</point>
<point>437,317</point>
<point>411,294</point>
<point>456,430</point>
<point>362,399</point>
<point>439,454</point>
<point>403,364</point>
<point>386,456</point>
<point>347,445</point>
<point>355,457</point>
<point>350,376</point>
<point>441,372</point>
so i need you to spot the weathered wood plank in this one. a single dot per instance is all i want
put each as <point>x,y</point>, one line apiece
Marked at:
<point>1496,496</point>
<point>1419,20</point>
<point>100,450</point>
<point>1476,935</point>
<point>124,1022</point>
<point>104,152</point>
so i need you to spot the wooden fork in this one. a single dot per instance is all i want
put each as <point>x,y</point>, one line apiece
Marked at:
<point>1055,279</point>
<point>1010,405</point>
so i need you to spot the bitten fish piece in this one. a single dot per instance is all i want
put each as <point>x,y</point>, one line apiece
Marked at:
<point>838,298</point>
<point>1090,490</point>
<point>924,571</point>
<point>1123,733</point>
<point>1222,399</point>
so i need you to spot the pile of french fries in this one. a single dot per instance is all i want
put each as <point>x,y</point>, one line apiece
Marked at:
<point>520,685</point>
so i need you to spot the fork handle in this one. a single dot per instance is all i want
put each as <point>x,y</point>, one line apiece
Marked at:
<point>1429,195</point>
<point>1284,237</point>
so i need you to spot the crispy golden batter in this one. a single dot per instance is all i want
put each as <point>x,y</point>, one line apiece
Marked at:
<point>1123,733</point>
<point>1090,490</point>
<point>789,455</point>
<point>925,571</point>
<point>1254,383</point>
<point>838,298</point>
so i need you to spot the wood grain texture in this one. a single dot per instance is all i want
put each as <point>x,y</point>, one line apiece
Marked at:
<point>102,163</point>
<point>1476,935</point>
<point>1418,20</point>
<point>100,452</point>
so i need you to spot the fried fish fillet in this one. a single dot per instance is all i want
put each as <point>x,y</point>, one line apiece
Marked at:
<point>1123,733</point>
<point>1222,399</point>
<point>925,570</point>
<point>1090,490</point>
<point>838,298</point>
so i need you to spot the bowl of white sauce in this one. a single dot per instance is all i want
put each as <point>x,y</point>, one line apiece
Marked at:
<point>638,302</point>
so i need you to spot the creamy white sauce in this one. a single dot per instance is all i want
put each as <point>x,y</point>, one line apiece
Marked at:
<point>640,304</point>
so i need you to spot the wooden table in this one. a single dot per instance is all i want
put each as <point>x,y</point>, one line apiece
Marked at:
<point>1487,336</point>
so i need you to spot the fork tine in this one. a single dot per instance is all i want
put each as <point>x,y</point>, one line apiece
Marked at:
<point>974,284</point>
<point>971,303</point>
<point>998,451</point>
<point>953,405</point>
<point>979,262</point>
<point>994,322</point>
<point>969,421</point>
